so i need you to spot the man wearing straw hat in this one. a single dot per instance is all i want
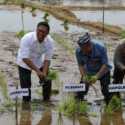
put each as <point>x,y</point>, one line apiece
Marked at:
<point>93,61</point>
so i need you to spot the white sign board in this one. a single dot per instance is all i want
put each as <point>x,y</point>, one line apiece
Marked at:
<point>117,88</point>
<point>18,93</point>
<point>72,87</point>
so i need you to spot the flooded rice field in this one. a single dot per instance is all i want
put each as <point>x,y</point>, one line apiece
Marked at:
<point>97,16</point>
<point>86,2</point>
<point>38,112</point>
<point>15,24</point>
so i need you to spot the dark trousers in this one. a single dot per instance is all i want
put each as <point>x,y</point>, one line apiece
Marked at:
<point>118,76</point>
<point>25,82</point>
<point>46,89</point>
<point>104,81</point>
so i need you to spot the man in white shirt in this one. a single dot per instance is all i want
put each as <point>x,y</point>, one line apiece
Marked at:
<point>35,53</point>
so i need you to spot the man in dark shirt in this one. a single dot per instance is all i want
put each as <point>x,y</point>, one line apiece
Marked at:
<point>93,61</point>
<point>119,65</point>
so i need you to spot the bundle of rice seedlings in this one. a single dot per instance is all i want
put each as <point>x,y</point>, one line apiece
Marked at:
<point>71,107</point>
<point>52,75</point>
<point>114,105</point>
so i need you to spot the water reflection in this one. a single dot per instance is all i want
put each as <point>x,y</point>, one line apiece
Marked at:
<point>85,121</point>
<point>115,119</point>
<point>46,118</point>
<point>49,118</point>
<point>79,2</point>
<point>26,115</point>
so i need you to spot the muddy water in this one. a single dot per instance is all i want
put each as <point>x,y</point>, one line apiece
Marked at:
<point>15,24</point>
<point>30,22</point>
<point>85,2</point>
<point>50,117</point>
<point>40,113</point>
<point>44,114</point>
<point>109,17</point>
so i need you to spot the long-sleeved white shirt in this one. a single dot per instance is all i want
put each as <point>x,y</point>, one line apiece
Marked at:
<point>32,49</point>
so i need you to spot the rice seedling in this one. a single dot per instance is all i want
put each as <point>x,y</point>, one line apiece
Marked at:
<point>8,105</point>
<point>45,17</point>
<point>7,102</point>
<point>3,86</point>
<point>21,33</point>
<point>122,34</point>
<point>114,105</point>
<point>87,78</point>
<point>82,107</point>
<point>64,43</point>
<point>70,107</point>
<point>65,24</point>
<point>52,75</point>
<point>33,9</point>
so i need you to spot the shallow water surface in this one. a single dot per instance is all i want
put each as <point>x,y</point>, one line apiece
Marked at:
<point>11,21</point>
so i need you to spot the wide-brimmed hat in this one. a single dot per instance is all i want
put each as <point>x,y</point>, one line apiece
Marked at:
<point>84,39</point>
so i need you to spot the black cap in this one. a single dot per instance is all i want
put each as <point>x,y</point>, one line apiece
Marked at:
<point>84,39</point>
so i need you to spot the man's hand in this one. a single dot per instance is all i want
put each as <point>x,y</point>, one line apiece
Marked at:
<point>93,79</point>
<point>90,79</point>
<point>40,74</point>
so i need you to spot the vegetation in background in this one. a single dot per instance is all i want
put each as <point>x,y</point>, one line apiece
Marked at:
<point>33,11</point>
<point>22,6</point>
<point>20,34</point>
<point>45,17</point>
<point>52,75</point>
<point>6,1</point>
<point>63,13</point>
<point>66,25</point>
<point>64,42</point>
<point>114,105</point>
<point>122,34</point>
